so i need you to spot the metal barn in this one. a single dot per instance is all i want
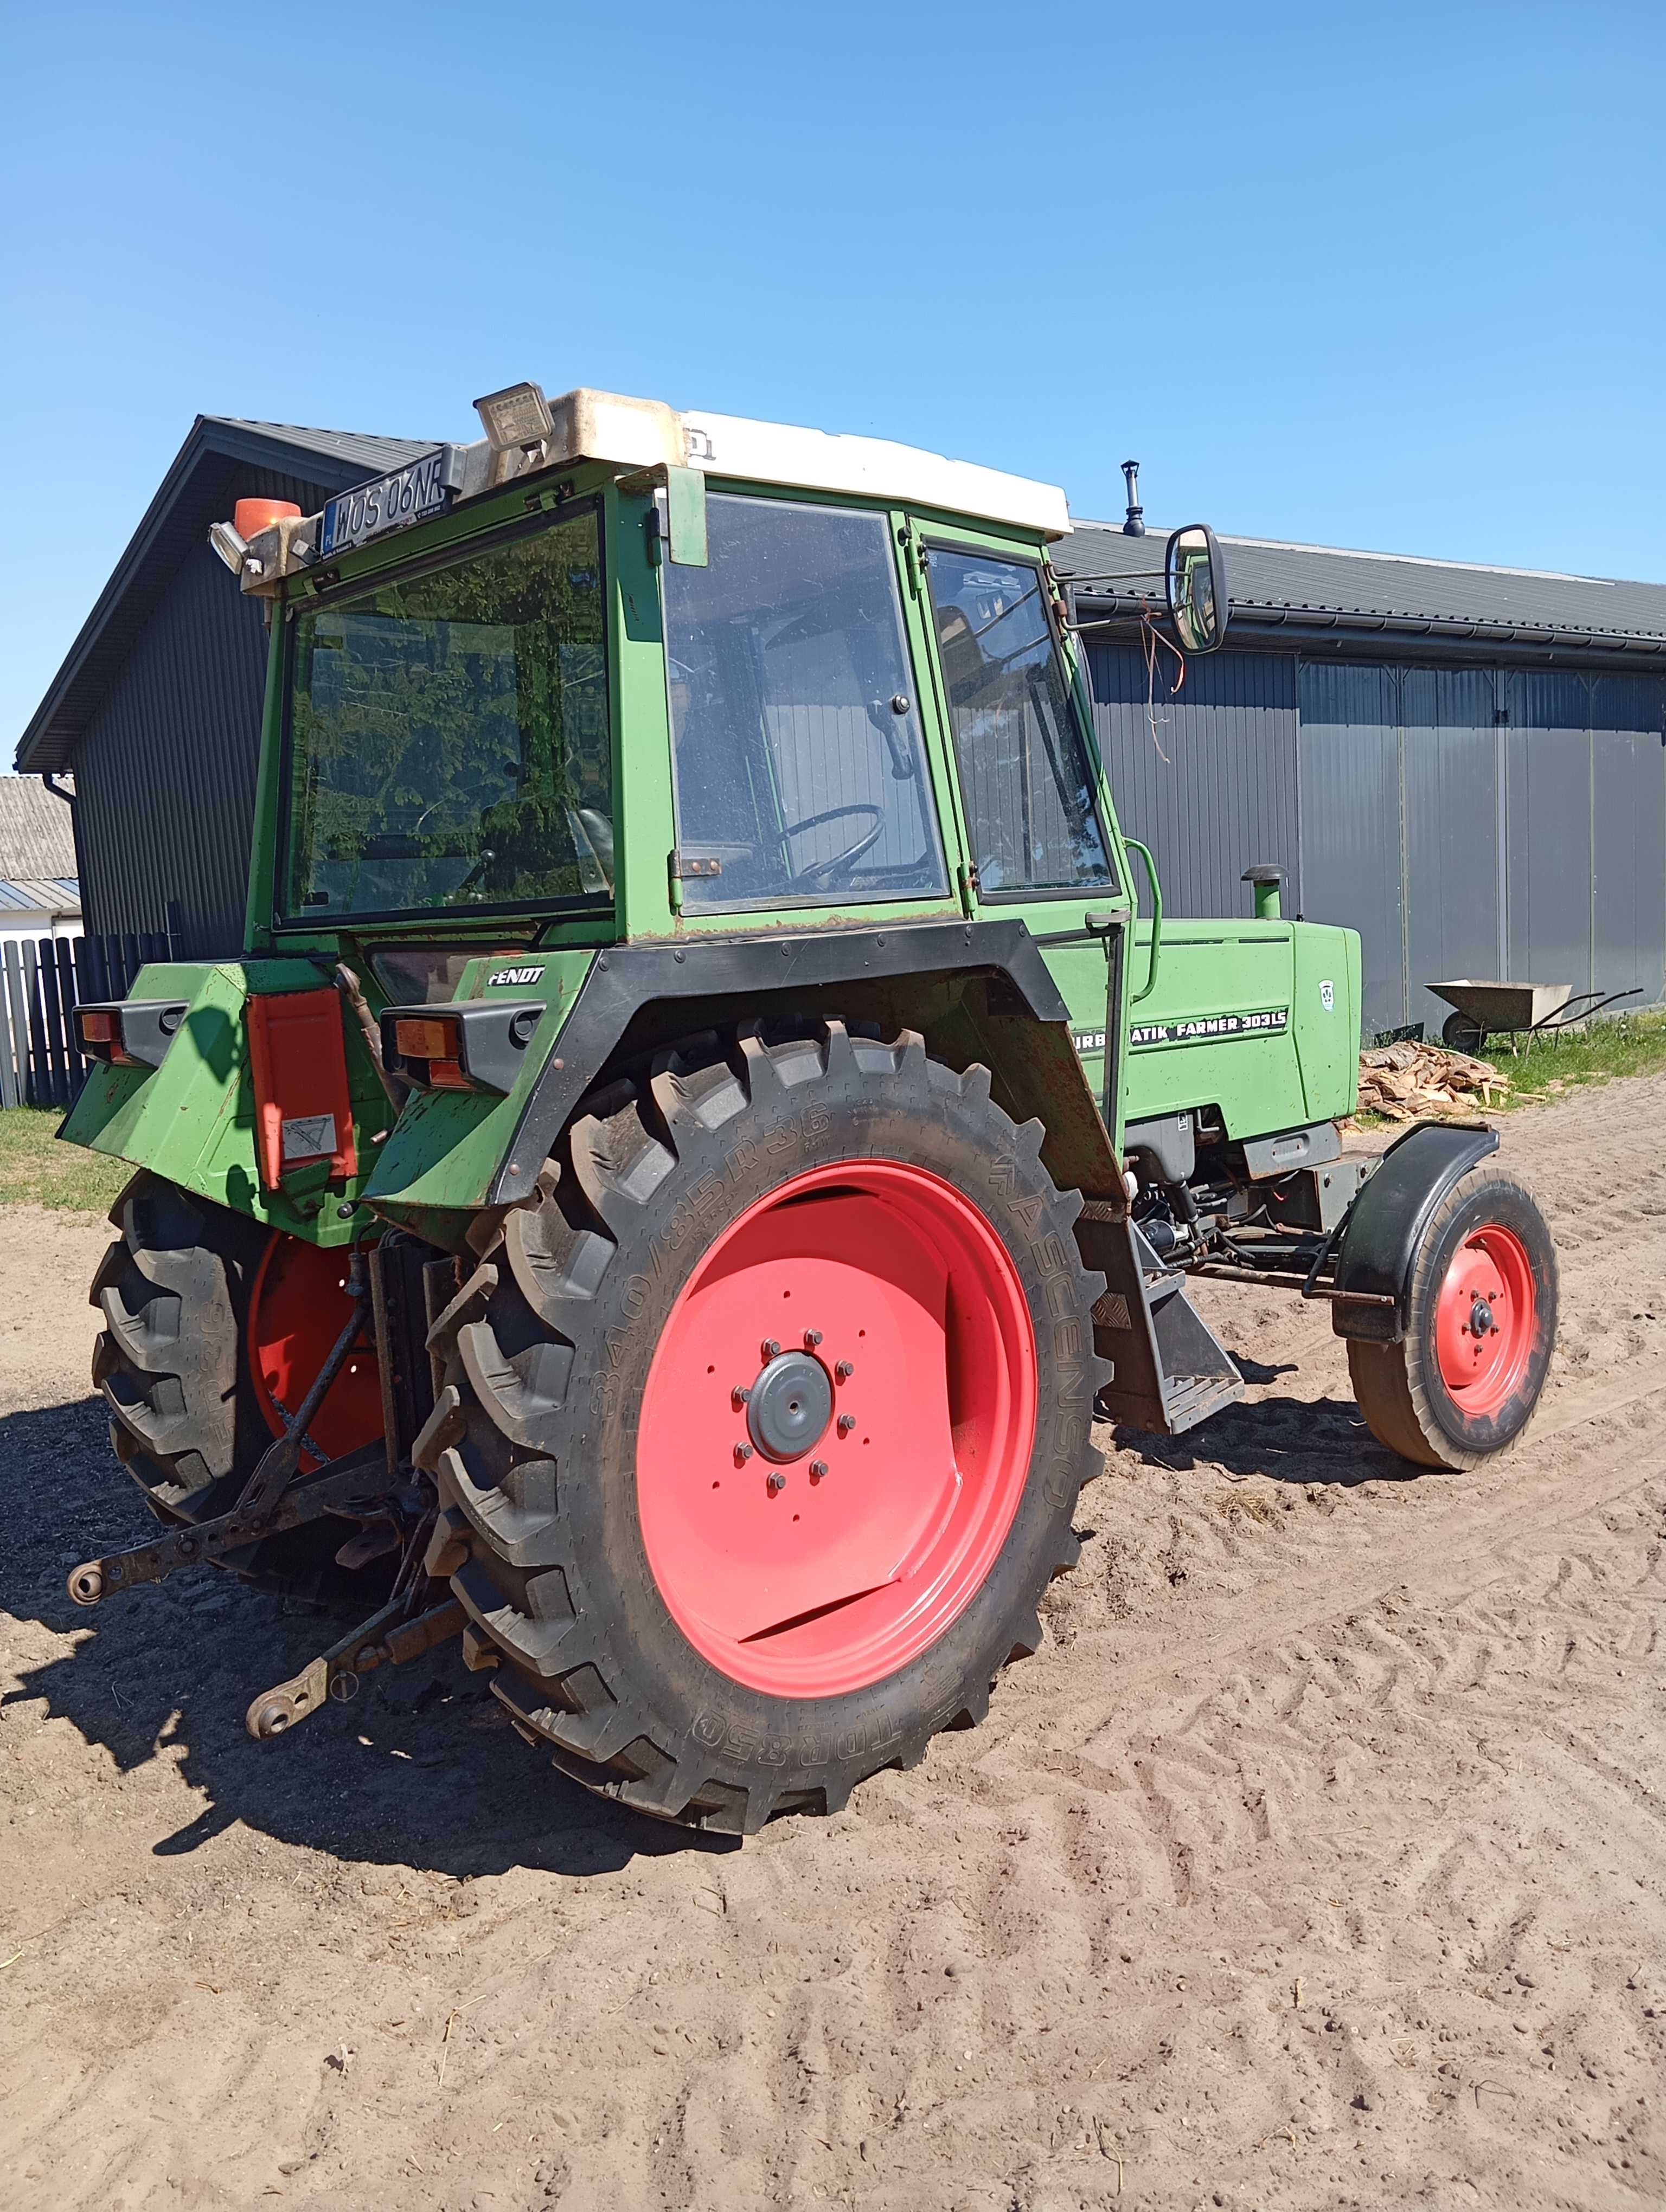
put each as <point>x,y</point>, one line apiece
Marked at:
<point>156,710</point>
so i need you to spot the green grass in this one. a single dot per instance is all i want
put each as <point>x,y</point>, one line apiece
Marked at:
<point>1546,1066</point>
<point>36,1170</point>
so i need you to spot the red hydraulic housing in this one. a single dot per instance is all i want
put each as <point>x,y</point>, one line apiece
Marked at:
<point>303,1113</point>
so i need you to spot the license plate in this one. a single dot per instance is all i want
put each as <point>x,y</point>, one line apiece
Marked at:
<point>409,495</point>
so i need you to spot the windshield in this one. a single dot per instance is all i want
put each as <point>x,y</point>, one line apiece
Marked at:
<point>448,737</point>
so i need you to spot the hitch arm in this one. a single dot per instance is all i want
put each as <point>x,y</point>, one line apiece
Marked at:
<point>361,1475</point>
<point>382,1641</point>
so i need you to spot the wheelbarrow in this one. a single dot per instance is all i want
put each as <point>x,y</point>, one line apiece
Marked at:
<point>1487,1010</point>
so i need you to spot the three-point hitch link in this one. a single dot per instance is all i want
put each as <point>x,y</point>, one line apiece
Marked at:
<point>273,1500</point>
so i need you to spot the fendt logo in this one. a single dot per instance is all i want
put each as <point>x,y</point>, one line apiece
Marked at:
<point>516,975</point>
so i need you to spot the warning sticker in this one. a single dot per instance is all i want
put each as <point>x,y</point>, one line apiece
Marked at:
<point>308,1137</point>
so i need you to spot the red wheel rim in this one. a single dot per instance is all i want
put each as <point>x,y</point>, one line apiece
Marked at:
<point>808,1585</point>
<point>298,1307</point>
<point>1484,1320</point>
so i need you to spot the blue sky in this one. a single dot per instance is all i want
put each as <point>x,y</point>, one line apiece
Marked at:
<point>1380,277</point>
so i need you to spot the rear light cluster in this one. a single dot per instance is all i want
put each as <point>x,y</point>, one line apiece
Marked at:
<point>99,1030</point>
<point>477,1045</point>
<point>437,1042</point>
<point>129,1032</point>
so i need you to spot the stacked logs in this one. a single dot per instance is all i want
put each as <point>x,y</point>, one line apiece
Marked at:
<point>1424,1082</point>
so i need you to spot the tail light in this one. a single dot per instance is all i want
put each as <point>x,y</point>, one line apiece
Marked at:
<point>480,1045</point>
<point>433,1042</point>
<point>129,1032</point>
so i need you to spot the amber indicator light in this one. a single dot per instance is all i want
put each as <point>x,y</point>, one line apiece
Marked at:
<point>427,1040</point>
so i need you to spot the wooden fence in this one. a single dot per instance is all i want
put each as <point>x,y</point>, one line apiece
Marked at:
<point>40,982</point>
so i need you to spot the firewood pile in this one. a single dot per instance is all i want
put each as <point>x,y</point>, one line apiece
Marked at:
<point>1424,1082</point>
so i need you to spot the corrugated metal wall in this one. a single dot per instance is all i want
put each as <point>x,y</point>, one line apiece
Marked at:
<point>1205,777</point>
<point>1628,831</point>
<point>1353,868</point>
<point>1475,822</point>
<point>1532,827</point>
<point>166,769</point>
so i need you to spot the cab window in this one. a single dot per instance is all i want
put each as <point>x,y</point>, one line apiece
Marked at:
<point>800,770</point>
<point>1025,774</point>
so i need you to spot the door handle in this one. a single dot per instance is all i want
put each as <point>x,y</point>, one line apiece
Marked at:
<point>1101,920</point>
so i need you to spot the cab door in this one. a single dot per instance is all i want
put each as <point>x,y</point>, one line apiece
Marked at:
<point>1038,837</point>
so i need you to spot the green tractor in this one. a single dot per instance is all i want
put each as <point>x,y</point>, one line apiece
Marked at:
<point>703,1120</point>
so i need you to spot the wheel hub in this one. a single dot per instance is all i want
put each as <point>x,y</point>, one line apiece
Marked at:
<point>818,1526</point>
<point>1485,1319</point>
<point>789,1406</point>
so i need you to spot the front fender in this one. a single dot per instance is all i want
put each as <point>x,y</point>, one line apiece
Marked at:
<point>1386,1222</point>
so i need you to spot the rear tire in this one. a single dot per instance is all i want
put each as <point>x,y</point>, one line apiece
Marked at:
<point>1463,1383</point>
<point>698,1682</point>
<point>172,1365</point>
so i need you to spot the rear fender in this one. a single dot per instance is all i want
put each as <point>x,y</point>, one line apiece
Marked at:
<point>1386,1222</point>
<point>978,991</point>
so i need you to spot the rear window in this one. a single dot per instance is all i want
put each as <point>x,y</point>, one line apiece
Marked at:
<point>448,741</point>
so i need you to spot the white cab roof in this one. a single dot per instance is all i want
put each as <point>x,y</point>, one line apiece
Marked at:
<point>780,454</point>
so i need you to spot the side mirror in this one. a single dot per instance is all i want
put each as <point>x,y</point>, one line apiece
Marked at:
<point>1196,573</point>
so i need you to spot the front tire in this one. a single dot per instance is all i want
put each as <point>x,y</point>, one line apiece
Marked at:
<point>1464,1381</point>
<point>729,1563</point>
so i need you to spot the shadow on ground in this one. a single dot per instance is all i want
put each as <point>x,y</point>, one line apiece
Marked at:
<point>421,1769</point>
<point>1300,1440</point>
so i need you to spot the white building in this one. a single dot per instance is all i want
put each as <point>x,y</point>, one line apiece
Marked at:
<point>40,895</point>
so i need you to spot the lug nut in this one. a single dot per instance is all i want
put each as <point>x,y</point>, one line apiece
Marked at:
<point>769,1348</point>
<point>812,1337</point>
<point>844,1371</point>
<point>818,1468</point>
<point>740,1394</point>
<point>742,1453</point>
<point>847,1422</point>
<point>777,1482</point>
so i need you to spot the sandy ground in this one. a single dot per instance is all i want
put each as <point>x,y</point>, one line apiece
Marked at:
<point>1315,1860</point>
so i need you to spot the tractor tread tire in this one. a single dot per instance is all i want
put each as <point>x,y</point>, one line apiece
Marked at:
<point>173,1290</point>
<point>533,1444</point>
<point>170,1363</point>
<point>1397,1386</point>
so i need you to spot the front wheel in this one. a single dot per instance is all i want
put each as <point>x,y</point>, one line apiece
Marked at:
<point>761,1434</point>
<point>1464,1380</point>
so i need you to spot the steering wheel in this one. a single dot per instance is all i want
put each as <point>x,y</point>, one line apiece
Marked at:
<point>819,874</point>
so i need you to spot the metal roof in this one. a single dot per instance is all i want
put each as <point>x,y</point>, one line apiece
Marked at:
<point>55,894</point>
<point>1328,588</point>
<point>37,838</point>
<point>219,453</point>
<point>359,448</point>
